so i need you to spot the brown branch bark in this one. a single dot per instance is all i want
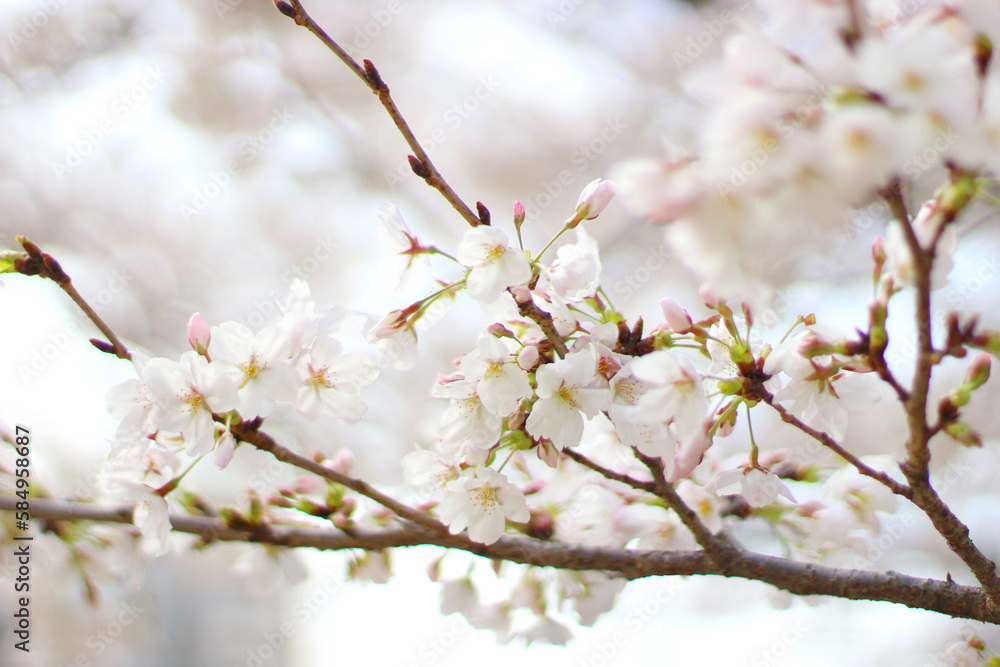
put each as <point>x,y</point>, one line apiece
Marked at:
<point>637,484</point>
<point>42,264</point>
<point>831,444</point>
<point>246,432</point>
<point>916,466</point>
<point>421,162</point>
<point>718,547</point>
<point>944,597</point>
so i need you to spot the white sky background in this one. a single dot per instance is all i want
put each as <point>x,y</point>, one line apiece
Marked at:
<point>161,96</point>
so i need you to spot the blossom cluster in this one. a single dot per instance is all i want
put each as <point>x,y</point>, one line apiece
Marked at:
<point>232,374</point>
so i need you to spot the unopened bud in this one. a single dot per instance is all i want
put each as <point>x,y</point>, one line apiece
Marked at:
<point>527,358</point>
<point>979,372</point>
<point>964,434</point>
<point>593,200</point>
<point>676,317</point>
<point>500,331</point>
<point>518,214</point>
<point>199,335</point>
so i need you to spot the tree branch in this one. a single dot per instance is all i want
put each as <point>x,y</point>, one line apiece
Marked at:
<point>637,484</point>
<point>718,547</point>
<point>421,163</point>
<point>42,264</point>
<point>944,597</point>
<point>247,432</point>
<point>828,442</point>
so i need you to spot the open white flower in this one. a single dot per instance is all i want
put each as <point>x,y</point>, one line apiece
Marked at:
<point>500,383</point>
<point>150,515</point>
<point>495,265</point>
<point>467,423</point>
<point>258,363</point>
<point>482,500</point>
<point>333,382</point>
<point>186,393</point>
<point>676,396</point>
<point>576,273</point>
<point>564,393</point>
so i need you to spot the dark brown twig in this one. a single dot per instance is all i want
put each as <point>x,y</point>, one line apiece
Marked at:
<point>420,161</point>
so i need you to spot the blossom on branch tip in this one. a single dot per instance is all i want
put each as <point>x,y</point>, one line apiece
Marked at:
<point>593,200</point>
<point>494,265</point>
<point>482,500</point>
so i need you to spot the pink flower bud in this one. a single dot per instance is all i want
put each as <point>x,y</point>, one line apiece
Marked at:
<point>198,333</point>
<point>518,214</point>
<point>676,317</point>
<point>593,200</point>
<point>225,447</point>
<point>388,327</point>
<point>500,331</point>
<point>342,462</point>
<point>521,294</point>
<point>527,358</point>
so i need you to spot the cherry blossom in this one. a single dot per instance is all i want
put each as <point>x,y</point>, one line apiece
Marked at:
<point>494,265</point>
<point>482,500</point>
<point>467,423</point>
<point>259,364</point>
<point>150,515</point>
<point>565,395</point>
<point>675,396</point>
<point>758,486</point>
<point>186,393</point>
<point>576,273</point>
<point>500,384</point>
<point>333,382</point>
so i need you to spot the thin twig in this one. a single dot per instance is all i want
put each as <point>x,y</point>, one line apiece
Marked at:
<point>637,484</point>
<point>718,547</point>
<point>45,265</point>
<point>420,161</point>
<point>247,432</point>
<point>831,444</point>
